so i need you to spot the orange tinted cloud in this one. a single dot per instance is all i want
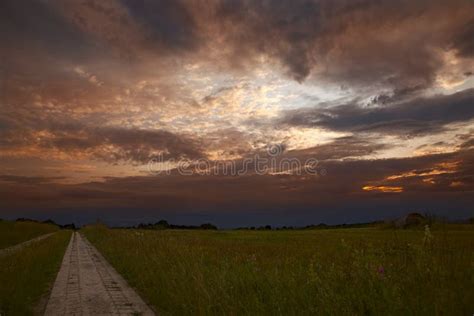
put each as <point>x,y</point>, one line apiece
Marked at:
<point>439,169</point>
<point>383,188</point>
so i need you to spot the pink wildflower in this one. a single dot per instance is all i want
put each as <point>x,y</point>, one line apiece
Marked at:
<point>381,271</point>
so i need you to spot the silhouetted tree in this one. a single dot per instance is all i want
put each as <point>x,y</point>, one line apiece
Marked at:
<point>208,226</point>
<point>162,224</point>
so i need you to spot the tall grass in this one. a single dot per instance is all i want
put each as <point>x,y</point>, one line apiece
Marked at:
<point>12,233</point>
<point>27,274</point>
<point>330,272</point>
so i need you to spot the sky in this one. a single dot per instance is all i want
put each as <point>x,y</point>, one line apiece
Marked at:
<point>131,111</point>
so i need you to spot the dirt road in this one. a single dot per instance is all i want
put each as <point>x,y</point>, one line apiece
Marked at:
<point>87,285</point>
<point>6,251</point>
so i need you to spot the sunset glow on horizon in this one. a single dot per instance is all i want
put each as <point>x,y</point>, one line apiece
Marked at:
<point>380,93</point>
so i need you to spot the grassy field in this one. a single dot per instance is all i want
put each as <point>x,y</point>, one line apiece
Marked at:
<point>27,274</point>
<point>12,233</point>
<point>347,271</point>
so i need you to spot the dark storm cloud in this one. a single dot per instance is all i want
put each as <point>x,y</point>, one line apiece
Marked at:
<point>413,117</point>
<point>35,39</point>
<point>140,145</point>
<point>281,28</point>
<point>33,23</point>
<point>463,40</point>
<point>167,22</point>
<point>340,148</point>
<point>40,38</point>
<point>356,42</point>
<point>111,144</point>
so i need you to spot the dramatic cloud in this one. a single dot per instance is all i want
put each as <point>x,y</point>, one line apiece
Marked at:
<point>379,93</point>
<point>356,42</point>
<point>416,116</point>
<point>110,144</point>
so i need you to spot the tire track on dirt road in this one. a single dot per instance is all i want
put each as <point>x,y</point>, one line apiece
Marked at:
<point>88,285</point>
<point>6,251</point>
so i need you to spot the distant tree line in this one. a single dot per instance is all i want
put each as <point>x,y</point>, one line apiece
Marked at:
<point>48,221</point>
<point>408,221</point>
<point>162,224</point>
<point>318,226</point>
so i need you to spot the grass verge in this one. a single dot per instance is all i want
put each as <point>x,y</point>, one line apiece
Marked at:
<point>26,275</point>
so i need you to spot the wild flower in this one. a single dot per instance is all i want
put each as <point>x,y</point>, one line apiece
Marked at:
<point>381,271</point>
